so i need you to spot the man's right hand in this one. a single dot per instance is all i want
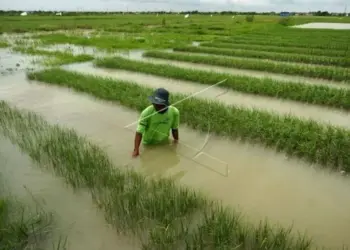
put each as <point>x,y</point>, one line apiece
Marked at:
<point>135,153</point>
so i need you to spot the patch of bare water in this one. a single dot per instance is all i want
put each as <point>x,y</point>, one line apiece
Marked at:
<point>76,217</point>
<point>324,115</point>
<point>75,50</point>
<point>315,25</point>
<point>12,62</point>
<point>196,44</point>
<point>261,182</point>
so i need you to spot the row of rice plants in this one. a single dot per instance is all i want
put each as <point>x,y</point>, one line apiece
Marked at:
<point>267,48</point>
<point>336,39</point>
<point>314,94</point>
<point>316,143</point>
<point>316,39</point>
<point>293,43</point>
<point>322,60</point>
<point>170,216</point>
<point>308,70</point>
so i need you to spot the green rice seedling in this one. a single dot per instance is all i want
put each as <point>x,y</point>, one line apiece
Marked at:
<point>278,49</point>
<point>55,58</point>
<point>314,94</point>
<point>322,60</point>
<point>308,140</point>
<point>315,71</point>
<point>161,213</point>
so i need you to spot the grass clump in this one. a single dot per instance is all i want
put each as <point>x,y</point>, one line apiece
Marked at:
<point>316,143</point>
<point>55,58</point>
<point>278,49</point>
<point>315,71</point>
<point>161,214</point>
<point>284,57</point>
<point>314,94</point>
<point>3,44</point>
<point>21,228</point>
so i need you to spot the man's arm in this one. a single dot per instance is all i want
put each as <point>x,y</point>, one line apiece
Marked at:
<point>137,142</point>
<point>175,133</point>
<point>141,127</point>
<point>175,126</point>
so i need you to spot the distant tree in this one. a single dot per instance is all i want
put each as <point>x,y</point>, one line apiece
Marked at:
<point>286,21</point>
<point>322,13</point>
<point>249,18</point>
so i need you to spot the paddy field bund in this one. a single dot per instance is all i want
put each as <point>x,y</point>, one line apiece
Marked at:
<point>274,137</point>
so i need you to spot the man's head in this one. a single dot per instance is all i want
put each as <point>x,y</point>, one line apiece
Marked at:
<point>160,99</point>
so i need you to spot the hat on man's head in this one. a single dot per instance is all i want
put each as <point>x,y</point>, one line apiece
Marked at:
<point>160,96</point>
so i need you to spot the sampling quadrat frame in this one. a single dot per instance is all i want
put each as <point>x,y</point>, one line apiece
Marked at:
<point>200,152</point>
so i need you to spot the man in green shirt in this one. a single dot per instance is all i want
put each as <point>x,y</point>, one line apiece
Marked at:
<point>156,121</point>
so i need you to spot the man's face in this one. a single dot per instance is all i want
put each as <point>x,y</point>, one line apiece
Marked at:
<point>158,107</point>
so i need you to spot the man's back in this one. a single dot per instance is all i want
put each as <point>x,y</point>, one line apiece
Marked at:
<point>155,126</point>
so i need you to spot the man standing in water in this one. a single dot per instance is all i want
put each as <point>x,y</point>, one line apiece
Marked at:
<point>156,121</point>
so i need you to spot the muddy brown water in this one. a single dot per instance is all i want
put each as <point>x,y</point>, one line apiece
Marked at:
<point>137,55</point>
<point>260,182</point>
<point>320,114</point>
<point>75,216</point>
<point>11,63</point>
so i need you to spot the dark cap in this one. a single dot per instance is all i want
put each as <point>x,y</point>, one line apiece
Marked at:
<point>160,96</point>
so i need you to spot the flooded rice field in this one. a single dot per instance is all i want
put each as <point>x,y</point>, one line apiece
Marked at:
<point>284,107</point>
<point>137,55</point>
<point>259,181</point>
<point>80,223</point>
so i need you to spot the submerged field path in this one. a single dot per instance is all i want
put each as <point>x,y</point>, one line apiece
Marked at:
<point>261,182</point>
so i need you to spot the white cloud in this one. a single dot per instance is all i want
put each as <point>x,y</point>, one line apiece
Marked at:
<point>177,5</point>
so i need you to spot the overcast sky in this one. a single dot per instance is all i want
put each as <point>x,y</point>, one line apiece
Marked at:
<point>177,5</point>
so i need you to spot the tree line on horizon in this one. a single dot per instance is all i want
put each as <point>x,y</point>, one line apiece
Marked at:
<point>194,12</point>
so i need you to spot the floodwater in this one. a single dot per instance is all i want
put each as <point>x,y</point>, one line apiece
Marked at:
<point>284,107</point>
<point>261,182</point>
<point>76,50</point>
<point>137,55</point>
<point>13,62</point>
<point>336,26</point>
<point>76,217</point>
